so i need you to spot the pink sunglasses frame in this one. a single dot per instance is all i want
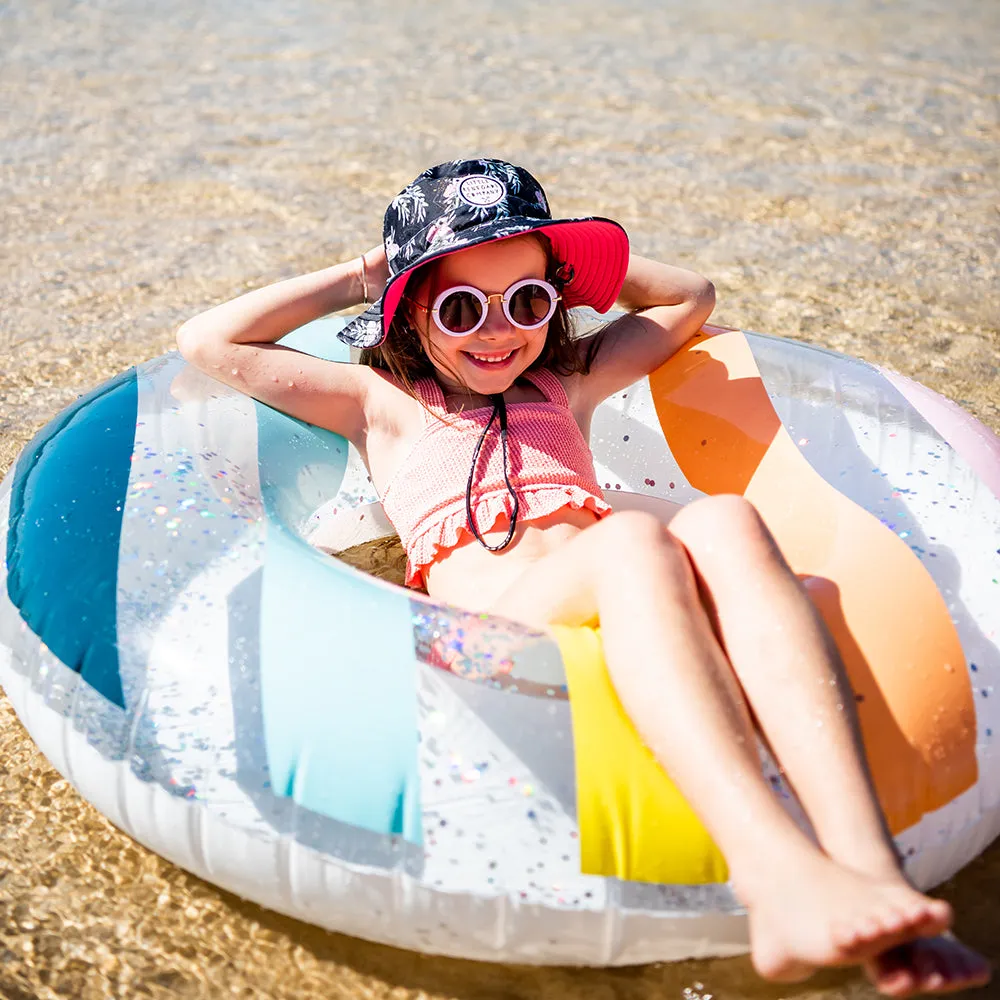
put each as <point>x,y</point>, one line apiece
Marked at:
<point>484,300</point>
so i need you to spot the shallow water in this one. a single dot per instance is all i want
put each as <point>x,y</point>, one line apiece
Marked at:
<point>833,167</point>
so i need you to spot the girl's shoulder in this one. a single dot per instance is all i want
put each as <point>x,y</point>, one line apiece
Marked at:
<point>620,353</point>
<point>389,405</point>
<point>395,420</point>
<point>590,352</point>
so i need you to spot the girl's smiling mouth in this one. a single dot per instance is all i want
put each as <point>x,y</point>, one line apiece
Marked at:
<point>494,360</point>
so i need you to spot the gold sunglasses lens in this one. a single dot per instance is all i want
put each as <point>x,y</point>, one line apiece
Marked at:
<point>460,312</point>
<point>530,305</point>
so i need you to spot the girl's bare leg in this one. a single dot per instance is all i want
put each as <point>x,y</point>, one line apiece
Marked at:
<point>676,683</point>
<point>793,679</point>
<point>790,673</point>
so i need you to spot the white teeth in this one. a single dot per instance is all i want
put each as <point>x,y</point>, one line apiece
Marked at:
<point>493,358</point>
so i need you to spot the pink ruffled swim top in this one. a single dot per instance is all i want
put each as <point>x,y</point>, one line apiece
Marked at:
<point>550,467</point>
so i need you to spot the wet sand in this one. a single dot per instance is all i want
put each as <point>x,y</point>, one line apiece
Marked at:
<point>833,167</point>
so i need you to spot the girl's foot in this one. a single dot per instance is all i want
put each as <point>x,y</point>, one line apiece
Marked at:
<point>940,964</point>
<point>818,913</point>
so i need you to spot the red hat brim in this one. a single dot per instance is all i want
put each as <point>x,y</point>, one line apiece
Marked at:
<point>596,249</point>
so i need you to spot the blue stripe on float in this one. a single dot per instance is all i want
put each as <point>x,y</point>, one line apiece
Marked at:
<point>65,520</point>
<point>338,672</point>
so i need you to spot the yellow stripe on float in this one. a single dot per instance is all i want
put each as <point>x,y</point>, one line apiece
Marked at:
<point>634,823</point>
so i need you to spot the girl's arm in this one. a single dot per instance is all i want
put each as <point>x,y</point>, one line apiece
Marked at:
<point>666,306</point>
<point>235,343</point>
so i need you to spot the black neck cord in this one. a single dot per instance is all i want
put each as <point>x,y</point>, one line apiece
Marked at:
<point>498,407</point>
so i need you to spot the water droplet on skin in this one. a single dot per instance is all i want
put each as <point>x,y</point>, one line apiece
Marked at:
<point>235,371</point>
<point>291,384</point>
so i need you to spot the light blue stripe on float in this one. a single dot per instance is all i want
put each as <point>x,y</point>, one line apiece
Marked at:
<point>319,338</point>
<point>338,669</point>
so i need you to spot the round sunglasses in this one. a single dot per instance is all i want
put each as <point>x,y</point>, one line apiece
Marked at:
<point>461,310</point>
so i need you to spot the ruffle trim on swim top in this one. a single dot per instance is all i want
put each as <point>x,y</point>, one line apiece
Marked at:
<point>446,532</point>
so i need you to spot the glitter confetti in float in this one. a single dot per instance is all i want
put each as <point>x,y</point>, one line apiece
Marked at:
<point>355,755</point>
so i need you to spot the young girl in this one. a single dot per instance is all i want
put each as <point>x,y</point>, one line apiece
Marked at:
<point>472,412</point>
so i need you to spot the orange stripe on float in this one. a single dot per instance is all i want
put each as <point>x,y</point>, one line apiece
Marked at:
<point>893,629</point>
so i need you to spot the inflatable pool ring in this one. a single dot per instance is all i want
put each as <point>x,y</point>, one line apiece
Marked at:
<point>280,724</point>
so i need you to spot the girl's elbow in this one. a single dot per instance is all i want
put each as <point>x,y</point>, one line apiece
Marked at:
<point>192,342</point>
<point>704,299</point>
<point>185,340</point>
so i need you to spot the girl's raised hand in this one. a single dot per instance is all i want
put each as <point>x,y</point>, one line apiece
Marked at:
<point>376,272</point>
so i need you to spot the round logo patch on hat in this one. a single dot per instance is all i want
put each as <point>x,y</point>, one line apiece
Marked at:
<point>481,191</point>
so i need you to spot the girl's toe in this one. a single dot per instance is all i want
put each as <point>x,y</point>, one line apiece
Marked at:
<point>891,972</point>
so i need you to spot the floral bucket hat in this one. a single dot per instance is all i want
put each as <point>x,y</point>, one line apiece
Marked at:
<point>463,203</point>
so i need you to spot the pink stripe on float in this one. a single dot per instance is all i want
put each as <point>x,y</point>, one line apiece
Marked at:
<point>973,440</point>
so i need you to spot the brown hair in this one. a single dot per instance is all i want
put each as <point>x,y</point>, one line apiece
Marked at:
<point>403,356</point>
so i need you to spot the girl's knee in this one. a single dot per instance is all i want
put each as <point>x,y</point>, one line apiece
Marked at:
<point>630,536</point>
<point>631,527</point>
<point>725,524</point>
